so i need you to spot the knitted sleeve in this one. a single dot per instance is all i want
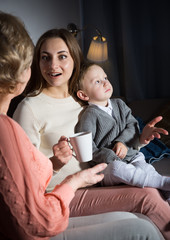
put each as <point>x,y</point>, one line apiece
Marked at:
<point>27,212</point>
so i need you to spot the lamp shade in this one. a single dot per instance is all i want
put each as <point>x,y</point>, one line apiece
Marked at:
<point>98,49</point>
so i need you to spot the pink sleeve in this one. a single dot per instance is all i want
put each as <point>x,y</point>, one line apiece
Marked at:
<point>24,175</point>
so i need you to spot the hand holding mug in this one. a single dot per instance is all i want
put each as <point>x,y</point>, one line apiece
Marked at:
<point>62,153</point>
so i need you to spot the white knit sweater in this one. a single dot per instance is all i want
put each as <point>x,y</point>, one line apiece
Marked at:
<point>44,120</point>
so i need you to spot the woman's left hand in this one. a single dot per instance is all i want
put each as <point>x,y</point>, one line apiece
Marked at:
<point>86,178</point>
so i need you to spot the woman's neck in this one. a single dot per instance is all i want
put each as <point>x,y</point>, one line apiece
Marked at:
<point>5,100</point>
<point>56,92</point>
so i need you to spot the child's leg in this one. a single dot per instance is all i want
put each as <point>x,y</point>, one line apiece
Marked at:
<point>109,178</point>
<point>119,171</point>
<point>139,161</point>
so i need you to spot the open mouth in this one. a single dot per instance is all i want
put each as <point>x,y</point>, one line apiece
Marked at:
<point>54,74</point>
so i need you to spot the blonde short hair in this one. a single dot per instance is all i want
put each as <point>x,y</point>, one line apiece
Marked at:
<point>16,51</point>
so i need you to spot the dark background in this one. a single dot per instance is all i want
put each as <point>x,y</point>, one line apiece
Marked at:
<point>138,35</point>
<point>137,32</point>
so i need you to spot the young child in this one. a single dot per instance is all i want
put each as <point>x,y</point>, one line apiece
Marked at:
<point>115,132</point>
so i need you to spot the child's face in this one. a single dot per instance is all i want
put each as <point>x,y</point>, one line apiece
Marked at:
<point>96,85</point>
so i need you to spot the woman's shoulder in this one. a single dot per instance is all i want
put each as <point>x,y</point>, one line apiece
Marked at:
<point>7,122</point>
<point>32,104</point>
<point>5,118</point>
<point>33,99</point>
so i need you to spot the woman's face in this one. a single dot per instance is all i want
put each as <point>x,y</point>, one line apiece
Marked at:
<point>56,63</point>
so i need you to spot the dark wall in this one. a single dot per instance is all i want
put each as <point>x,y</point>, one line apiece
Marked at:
<point>40,16</point>
<point>138,35</point>
<point>137,31</point>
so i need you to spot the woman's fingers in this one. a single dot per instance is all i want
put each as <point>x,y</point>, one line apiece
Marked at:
<point>98,168</point>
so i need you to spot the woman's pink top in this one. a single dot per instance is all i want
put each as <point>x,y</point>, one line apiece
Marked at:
<point>26,211</point>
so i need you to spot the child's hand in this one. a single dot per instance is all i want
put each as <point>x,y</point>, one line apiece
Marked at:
<point>150,131</point>
<point>62,153</point>
<point>120,150</point>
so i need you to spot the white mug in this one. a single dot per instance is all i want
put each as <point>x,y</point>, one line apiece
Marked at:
<point>82,146</point>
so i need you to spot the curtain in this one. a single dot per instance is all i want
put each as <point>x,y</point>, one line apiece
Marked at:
<point>138,35</point>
